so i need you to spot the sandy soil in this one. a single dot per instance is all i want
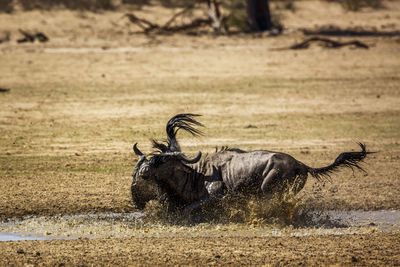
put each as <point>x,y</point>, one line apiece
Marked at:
<point>365,250</point>
<point>77,103</point>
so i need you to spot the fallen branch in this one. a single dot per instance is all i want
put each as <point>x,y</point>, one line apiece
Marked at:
<point>327,43</point>
<point>194,24</point>
<point>214,18</point>
<point>27,37</point>
<point>351,32</point>
<point>174,17</point>
<point>149,27</point>
<point>144,24</point>
<point>41,37</point>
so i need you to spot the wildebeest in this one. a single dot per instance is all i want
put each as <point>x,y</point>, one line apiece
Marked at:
<point>187,183</point>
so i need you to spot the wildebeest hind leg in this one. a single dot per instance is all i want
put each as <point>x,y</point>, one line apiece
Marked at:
<point>272,183</point>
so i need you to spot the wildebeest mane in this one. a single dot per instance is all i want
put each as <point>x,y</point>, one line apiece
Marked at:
<point>226,148</point>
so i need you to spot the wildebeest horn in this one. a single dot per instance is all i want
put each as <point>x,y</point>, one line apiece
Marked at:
<point>190,160</point>
<point>137,151</point>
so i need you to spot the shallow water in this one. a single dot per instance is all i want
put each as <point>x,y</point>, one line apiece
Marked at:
<point>123,225</point>
<point>5,236</point>
<point>384,220</point>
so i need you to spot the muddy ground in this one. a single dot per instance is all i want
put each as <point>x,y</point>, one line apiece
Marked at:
<point>77,103</point>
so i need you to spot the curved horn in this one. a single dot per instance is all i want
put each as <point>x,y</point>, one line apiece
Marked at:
<point>189,160</point>
<point>137,151</point>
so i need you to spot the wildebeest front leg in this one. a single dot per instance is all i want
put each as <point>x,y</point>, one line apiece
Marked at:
<point>169,202</point>
<point>195,205</point>
<point>272,183</point>
<point>214,190</point>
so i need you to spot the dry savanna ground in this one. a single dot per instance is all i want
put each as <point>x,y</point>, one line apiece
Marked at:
<point>77,103</point>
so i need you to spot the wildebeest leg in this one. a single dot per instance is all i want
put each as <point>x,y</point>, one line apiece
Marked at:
<point>214,191</point>
<point>298,183</point>
<point>189,208</point>
<point>272,183</point>
<point>169,202</point>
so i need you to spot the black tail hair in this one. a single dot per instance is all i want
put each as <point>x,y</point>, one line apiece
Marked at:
<point>180,121</point>
<point>345,159</point>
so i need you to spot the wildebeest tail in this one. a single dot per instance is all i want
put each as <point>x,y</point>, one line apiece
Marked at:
<point>345,159</point>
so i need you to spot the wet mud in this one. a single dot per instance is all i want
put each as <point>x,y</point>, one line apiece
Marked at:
<point>127,225</point>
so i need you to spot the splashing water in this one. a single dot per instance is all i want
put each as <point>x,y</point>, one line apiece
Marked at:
<point>234,208</point>
<point>233,216</point>
<point>126,225</point>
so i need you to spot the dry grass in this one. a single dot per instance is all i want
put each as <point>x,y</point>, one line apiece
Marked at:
<point>74,110</point>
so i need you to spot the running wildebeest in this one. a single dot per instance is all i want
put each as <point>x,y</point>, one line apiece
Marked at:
<point>187,183</point>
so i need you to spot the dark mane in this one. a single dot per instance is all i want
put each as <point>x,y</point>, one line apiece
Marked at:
<point>226,148</point>
<point>160,147</point>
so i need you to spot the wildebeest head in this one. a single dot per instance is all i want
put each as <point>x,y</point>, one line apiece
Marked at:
<point>161,165</point>
<point>169,156</point>
<point>167,163</point>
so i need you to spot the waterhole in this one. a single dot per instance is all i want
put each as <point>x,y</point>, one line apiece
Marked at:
<point>124,225</point>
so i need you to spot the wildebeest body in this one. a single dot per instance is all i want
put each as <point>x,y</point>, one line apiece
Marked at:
<point>189,183</point>
<point>239,169</point>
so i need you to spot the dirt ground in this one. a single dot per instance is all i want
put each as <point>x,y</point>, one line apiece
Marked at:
<point>365,250</point>
<point>77,104</point>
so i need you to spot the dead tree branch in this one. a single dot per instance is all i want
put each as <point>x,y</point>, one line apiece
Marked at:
<point>144,24</point>
<point>214,18</point>
<point>327,43</point>
<point>174,17</point>
<point>214,13</point>
<point>28,37</point>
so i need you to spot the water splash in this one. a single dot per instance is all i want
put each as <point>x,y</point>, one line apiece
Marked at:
<point>126,225</point>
